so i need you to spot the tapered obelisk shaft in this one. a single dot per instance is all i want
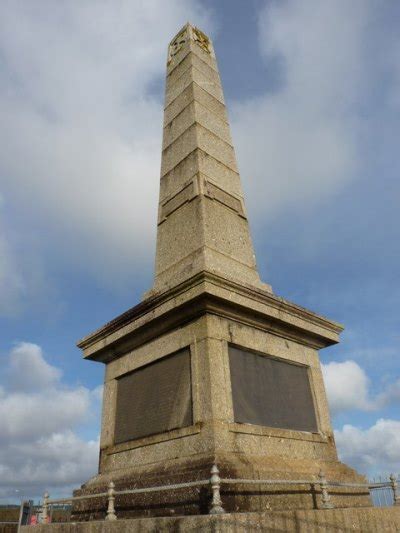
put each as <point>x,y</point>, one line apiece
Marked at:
<point>202,223</point>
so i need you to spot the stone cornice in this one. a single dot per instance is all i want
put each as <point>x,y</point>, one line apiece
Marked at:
<point>208,293</point>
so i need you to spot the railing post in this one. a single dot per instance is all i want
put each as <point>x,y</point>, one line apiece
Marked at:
<point>45,506</point>
<point>393,483</point>
<point>215,482</point>
<point>111,499</point>
<point>325,498</point>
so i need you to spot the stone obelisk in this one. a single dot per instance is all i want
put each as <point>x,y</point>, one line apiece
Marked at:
<point>202,222</point>
<point>211,367</point>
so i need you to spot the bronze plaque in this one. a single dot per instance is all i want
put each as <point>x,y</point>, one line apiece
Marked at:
<point>155,398</point>
<point>271,392</point>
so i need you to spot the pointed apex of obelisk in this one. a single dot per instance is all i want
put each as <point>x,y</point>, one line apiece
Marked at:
<point>202,222</point>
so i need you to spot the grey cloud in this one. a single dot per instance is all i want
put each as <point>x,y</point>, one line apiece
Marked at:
<point>374,450</point>
<point>58,462</point>
<point>40,415</point>
<point>80,141</point>
<point>306,141</point>
<point>12,284</point>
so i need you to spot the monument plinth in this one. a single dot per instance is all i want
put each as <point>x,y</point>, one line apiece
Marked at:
<point>211,367</point>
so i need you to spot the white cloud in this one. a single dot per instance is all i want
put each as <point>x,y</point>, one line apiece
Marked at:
<point>390,394</point>
<point>97,393</point>
<point>28,369</point>
<point>348,387</point>
<point>373,451</point>
<point>299,143</point>
<point>39,446</point>
<point>80,141</point>
<point>25,415</point>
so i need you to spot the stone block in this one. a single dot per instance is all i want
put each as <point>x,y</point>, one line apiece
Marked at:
<point>199,162</point>
<point>216,147</point>
<point>194,92</point>
<point>192,60</point>
<point>179,150</point>
<point>179,104</point>
<point>174,245</point>
<point>195,113</point>
<point>173,181</point>
<point>219,173</point>
<point>212,86</point>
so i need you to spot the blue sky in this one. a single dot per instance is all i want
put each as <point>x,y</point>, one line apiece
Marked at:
<point>312,90</point>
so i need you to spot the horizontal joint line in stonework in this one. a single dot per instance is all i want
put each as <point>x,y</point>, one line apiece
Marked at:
<point>207,80</point>
<point>198,250</point>
<point>183,59</point>
<point>195,121</point>
<point>202,84</point>
<point>212,180</point>
<point>215,183</point>
<point>208,155</point>
<point>205,195</point>
<point>190,65</point>
<point>179,77</point>
<point>217,83</point>
<point>193,82</point>
<point>200,103</point>
<point>204,128</point>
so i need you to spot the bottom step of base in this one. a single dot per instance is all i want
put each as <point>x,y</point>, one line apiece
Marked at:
<point>366,520</point>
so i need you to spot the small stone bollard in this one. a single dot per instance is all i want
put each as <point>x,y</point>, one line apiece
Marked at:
<point>216,502</point>
<point>325,498</point>
<point>45,508</point>
<point>394,485</point>
<point>111,500</point>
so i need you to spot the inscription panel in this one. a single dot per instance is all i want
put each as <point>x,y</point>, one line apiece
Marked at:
<point>155,398</point>
<point>183,196</point>
<point>224,198</point>
<point>270,392</point>
<point>199,185</point>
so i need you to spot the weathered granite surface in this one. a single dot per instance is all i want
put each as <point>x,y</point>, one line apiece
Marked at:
<point>366,520</point>
<point>202,223</point>
<point>207,295</point>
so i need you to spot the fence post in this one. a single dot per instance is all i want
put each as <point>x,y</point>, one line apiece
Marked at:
<point>45,506</point>
<point>111,499</point>
<point>215,481</point>
<point>396,496</point>
<point>325,498</point>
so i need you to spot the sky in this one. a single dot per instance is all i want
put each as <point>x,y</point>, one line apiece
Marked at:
<point>313,95</point>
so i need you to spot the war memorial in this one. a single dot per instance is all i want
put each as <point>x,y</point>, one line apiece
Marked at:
<point>215,416</point>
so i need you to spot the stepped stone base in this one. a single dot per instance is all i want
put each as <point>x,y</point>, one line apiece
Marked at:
<point>367,520</point>
<point>235,498</point>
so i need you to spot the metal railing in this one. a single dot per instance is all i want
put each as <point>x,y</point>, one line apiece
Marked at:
<point>215,482</point>
<point>384,493</point>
